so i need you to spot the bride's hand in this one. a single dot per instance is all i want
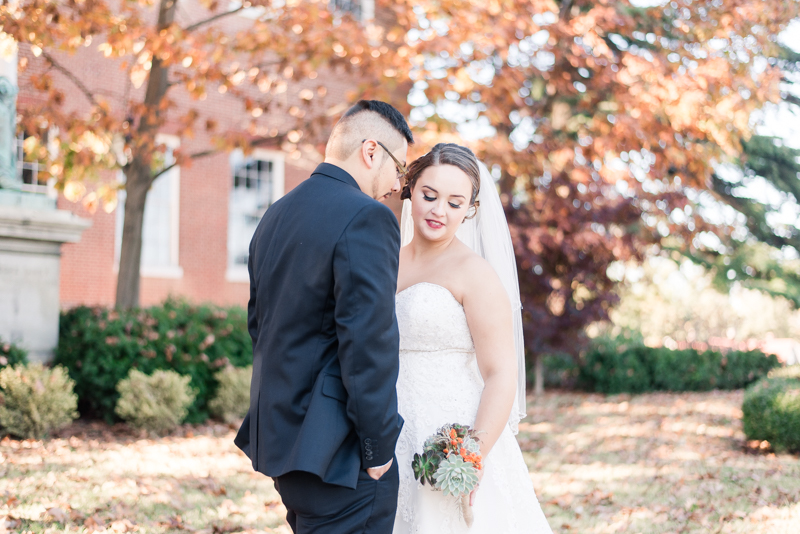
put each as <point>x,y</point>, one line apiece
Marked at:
<point>472,493</point>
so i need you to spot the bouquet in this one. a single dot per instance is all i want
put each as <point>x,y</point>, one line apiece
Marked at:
<point>450,462</point>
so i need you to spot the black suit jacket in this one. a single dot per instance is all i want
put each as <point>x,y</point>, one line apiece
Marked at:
<point>323,276</point>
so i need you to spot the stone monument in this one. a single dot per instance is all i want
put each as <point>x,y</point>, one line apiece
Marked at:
<point>32,231</point>
<point>8,115</point>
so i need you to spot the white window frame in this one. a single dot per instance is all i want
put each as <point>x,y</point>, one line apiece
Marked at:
<point>235,272</point>
<point>174,269</point>
<point>49,188</point>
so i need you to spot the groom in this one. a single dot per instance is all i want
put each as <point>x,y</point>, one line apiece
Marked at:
<point>323,418</point>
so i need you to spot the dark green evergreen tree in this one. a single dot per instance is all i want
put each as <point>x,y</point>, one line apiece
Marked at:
<point>766,259</point>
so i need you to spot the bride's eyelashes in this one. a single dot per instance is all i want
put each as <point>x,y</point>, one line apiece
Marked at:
<point>431,199</point>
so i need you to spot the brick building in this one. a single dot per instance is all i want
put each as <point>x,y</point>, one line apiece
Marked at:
<point>198,219</point>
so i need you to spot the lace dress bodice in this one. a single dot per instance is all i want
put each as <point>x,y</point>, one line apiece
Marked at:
<point>432,320</point>
<point>437,362</point>
<point>440,383</point>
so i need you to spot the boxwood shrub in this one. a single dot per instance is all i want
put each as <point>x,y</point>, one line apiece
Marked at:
<point>611,371</point>
<point>560,370</point>
<point>745,367</point>
<point>157,403</point>
<point>232,400</point>
<point>771,410</point>
<point>636,369</point>
<point>100,346</point>
<point>684,370</point>
<point>35,400</point>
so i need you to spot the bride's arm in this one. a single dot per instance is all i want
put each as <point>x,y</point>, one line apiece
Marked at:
<point>489,317</point>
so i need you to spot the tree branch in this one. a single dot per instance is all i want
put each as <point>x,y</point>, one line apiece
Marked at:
<point>566,5</point>
<point>162,171</point>
<point>210,152</point>
<point>79,84</point>
<point>792,99</point>
<point>211,19</point>
<point>204,153</point>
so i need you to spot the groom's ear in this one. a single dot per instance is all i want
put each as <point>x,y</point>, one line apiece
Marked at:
<point>369,152</point>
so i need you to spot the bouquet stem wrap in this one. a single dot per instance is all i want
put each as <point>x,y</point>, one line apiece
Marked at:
<point>466,510</point>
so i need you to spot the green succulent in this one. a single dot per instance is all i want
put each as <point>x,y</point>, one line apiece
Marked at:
<point>455,476</point>
<point>425,466</point>
<point>472,445</point>
<point>431,444</point>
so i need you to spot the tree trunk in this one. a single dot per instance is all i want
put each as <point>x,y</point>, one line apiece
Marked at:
<point>538,371</point>
<point>139,175</point>
<point>137,186</point>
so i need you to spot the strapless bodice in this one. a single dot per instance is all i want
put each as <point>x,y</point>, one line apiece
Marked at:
<point>432,320</point>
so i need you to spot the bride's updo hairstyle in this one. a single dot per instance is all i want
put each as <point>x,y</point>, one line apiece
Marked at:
<point>446,154</point>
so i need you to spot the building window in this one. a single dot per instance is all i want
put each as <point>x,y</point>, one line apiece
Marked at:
<point>160,229</point>
<point>256,182</point>
<point>31,170</point>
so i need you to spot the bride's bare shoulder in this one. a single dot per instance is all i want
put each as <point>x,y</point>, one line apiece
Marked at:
<point>477,278</point>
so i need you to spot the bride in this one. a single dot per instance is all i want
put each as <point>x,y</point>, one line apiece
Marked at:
<point>461,361</point>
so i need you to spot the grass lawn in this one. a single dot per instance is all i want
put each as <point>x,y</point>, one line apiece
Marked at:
<point>656,463</point>
<point>644,464</point>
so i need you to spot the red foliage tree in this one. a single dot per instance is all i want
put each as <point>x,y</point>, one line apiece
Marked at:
<point>606,120</point>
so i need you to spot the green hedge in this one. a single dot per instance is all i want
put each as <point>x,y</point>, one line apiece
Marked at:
<point>638,369</point>
<point>99,347</point>
<point>11,354</point>
<point>771,410</point>
<point>560,371</point>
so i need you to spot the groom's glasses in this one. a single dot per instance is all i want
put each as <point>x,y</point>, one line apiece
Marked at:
<point>401,169</point>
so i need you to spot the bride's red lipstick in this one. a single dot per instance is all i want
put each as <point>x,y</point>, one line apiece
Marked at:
<point>434,224</point>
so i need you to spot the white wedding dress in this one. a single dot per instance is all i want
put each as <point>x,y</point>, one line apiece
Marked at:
<point>439,383</point>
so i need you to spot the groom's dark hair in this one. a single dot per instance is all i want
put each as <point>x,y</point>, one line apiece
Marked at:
<point>368,119</point>
<point>387,111</point>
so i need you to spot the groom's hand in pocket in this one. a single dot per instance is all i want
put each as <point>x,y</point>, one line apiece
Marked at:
<point>376,473</point>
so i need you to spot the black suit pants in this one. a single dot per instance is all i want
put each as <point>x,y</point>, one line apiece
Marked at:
<point>319,508</point>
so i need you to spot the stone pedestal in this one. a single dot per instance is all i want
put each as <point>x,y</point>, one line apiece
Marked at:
<point>30,250</point>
